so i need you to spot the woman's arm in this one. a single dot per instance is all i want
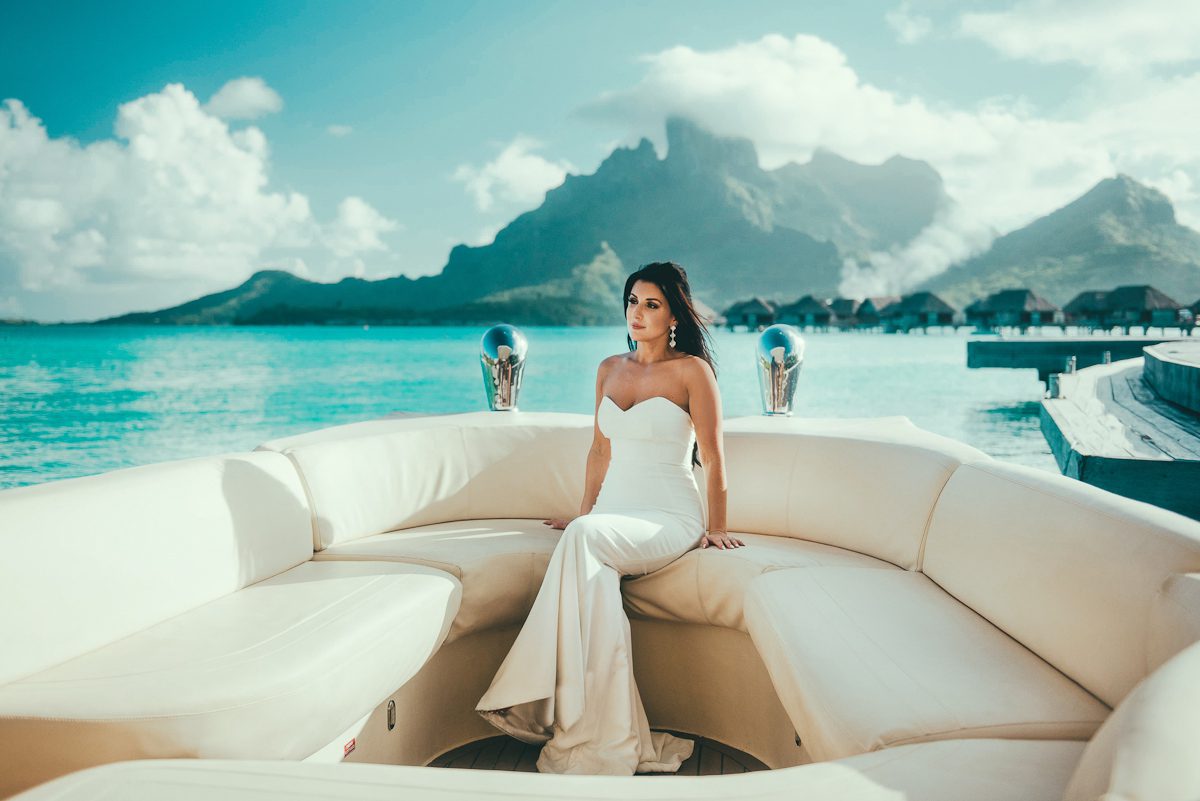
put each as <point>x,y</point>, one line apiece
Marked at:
<point>600,452</point>
<point>704,400</point>
<point>597,458</point>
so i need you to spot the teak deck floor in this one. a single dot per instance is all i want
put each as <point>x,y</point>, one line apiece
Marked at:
<point>709,758</point>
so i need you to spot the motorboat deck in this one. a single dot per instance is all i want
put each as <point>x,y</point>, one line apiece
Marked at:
<point>909,618</point>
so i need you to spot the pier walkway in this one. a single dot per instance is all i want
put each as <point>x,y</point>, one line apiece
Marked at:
<point>1173,369</point>
<point>1049,354</point>
<point>1111,429</point>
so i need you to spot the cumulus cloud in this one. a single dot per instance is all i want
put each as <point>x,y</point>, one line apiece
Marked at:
<point>909,27</point>
<point>517,176</point>
<point>1003,162</point>
<point>176,203</point>
<point>244,99</point>
<point>356,229</point>
<point>486,235</point>
<point>1108,34</point>
<point>953,236</point>
<point>339,130</point>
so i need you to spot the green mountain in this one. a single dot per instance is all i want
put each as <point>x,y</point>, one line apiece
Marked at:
<point>1119,232</point>
<point>739,230</point>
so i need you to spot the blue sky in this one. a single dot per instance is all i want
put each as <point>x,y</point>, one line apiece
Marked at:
<point>430,95</point>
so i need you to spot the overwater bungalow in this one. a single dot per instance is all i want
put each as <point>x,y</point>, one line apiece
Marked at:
<point>707,313</point>
<point>807,312</point>
<point>1144,306</point>
<point>1126,306</point>
<point>1019,308</point>
<point>919,310</point>
<point>1088,309</point>
<point>873,310</point>
<point>845,312</point>
<point>754,313</point>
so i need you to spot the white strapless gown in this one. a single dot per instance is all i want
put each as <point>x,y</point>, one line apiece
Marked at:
<point>568,679</point>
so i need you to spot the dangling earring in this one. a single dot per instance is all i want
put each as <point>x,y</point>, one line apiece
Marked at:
<point>672,335</point>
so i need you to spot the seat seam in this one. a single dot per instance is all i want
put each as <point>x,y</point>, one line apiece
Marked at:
<point>920,565</point>
<point>308,496</point>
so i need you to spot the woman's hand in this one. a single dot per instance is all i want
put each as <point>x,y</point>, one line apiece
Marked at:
<point>720,539</point>
<point>557,522</point>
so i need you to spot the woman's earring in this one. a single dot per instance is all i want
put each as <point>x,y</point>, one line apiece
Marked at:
<point>672,335</point>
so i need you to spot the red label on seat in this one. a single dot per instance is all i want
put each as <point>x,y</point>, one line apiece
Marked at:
<point>348,747</point>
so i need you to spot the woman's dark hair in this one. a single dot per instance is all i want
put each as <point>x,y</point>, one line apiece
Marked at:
<point>691,335</point>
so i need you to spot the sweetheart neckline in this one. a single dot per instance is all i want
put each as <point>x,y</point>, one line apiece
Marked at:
<point>643,400</point>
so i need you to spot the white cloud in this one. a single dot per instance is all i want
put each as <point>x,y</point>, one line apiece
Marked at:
<point>909,27</point>
<point>1004,163</point>
<point>177,204</point>
<point>244,99</point>
<point>339,130</point>
<point>1108,34</point>
<point>486,235</point>
<point>356,229</point>
<point>955,235</point>
<point>517,176</point>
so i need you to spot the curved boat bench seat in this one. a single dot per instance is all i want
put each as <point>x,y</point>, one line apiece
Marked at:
<point>174,610</point>
<point>905,606</point>
<point>998,770</point>
<point>1144,750</point>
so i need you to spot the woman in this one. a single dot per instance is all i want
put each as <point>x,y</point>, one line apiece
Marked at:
<point>568,680</point>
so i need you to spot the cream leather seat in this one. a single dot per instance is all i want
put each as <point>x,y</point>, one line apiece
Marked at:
<point>867,659</point>
<point>1145,751</point>
<point>173,610</point>
<point>899,586</point>
<point>979,770</point>
<point>500,562</point>
<point>708,585</point>
<point>467,495</point>
<point>275,670</point>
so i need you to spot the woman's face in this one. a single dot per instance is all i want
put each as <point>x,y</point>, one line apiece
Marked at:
<point>647,315</point>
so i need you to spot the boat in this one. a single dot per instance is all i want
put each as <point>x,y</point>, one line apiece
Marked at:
<point>911,619</point>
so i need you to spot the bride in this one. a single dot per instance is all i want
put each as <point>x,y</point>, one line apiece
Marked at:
<point>568,680</point>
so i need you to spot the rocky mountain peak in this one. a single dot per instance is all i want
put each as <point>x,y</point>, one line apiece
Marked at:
<point>692,148</point>
<point>1125,197</point>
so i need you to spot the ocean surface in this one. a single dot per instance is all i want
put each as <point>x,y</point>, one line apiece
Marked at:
<point>81,400</point>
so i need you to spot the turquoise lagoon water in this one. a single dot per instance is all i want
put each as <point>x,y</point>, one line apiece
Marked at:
<point>81,400</point>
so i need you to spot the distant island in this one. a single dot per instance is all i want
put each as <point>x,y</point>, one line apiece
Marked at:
<point>740,231</point>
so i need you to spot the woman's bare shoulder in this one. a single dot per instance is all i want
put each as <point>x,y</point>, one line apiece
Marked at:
<point>694,365</point>
<point>612,361</point>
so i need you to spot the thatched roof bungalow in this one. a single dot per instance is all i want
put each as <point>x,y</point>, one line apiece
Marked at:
<point>874,311</point>
<point>707,313</point>
<point>751,313</point>
<point>1124,306</point>
<point>845,311</point>
<point>1012,307</point>
<point>1089,308</point>
<point>808,311</point>
<point>1142,305</point>
<point>920,310</point>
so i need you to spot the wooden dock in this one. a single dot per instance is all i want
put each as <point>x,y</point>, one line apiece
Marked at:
<point>1050,354</point>
<point>1173,369</point>
<point>1111,429</point>
<point>709,758</point>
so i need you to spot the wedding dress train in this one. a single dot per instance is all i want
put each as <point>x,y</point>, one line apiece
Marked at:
<point>568,680</point>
